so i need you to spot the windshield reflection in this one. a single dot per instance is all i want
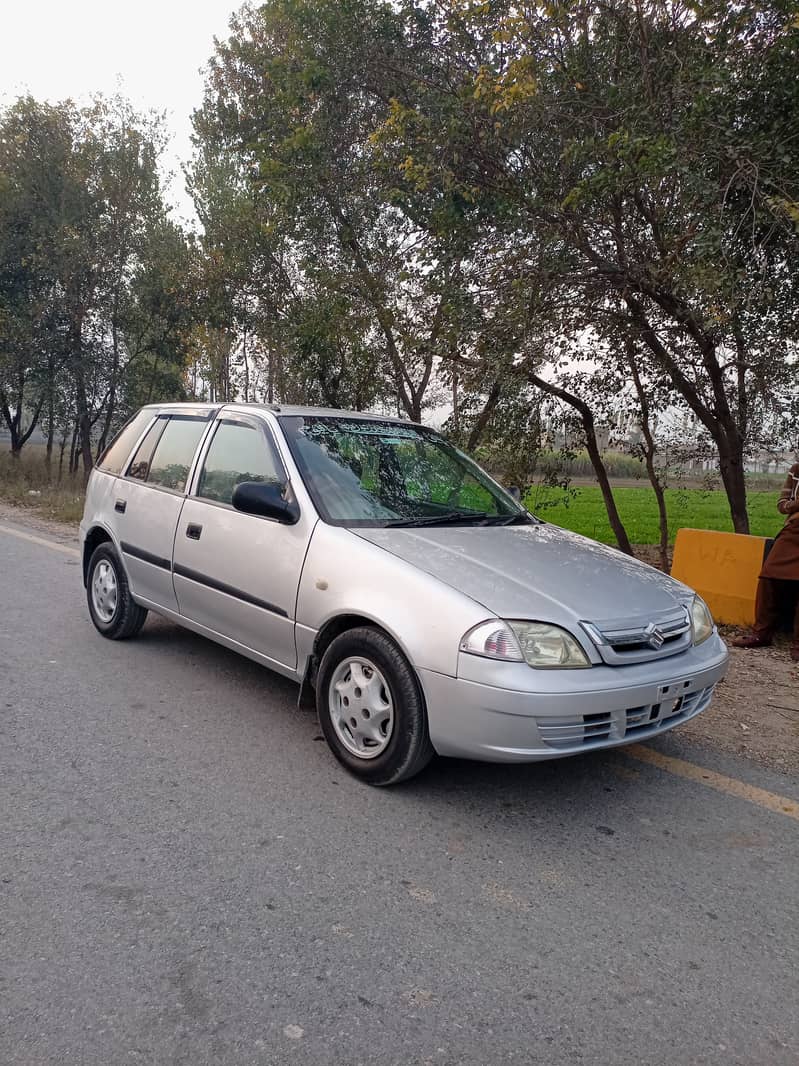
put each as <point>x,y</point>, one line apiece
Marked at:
<point>370,472</point>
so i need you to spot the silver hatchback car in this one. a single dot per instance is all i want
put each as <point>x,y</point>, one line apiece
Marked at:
<point>373,562</point>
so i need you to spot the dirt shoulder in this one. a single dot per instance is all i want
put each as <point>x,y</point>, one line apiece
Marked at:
<point>63,532</point>
<point>755,712</point>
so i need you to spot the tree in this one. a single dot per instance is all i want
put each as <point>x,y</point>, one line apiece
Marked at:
<point>638,159</point>
<point>91,271</point>
<point>34,141</point>
<point>293,100</point>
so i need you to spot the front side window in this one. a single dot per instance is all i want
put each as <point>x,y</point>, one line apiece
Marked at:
<point>165,455</point>
<point>366,472</point>
<point>238,453</point>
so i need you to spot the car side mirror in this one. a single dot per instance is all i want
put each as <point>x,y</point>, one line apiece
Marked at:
<point>515,492</point>
<point>267,499</point>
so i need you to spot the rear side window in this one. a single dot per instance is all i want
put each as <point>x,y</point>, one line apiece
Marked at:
<point>165,455</point>
<point>113,458</point>
<point>174,452</point>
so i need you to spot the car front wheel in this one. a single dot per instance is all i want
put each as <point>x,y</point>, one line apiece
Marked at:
<point>112,608</point>
<point>371,708</point>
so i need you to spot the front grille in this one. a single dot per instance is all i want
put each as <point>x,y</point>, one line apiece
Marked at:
<point>591,730</point>
<point>624,640</point>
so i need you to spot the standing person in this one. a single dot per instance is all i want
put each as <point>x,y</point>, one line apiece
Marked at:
<point>781,565</point>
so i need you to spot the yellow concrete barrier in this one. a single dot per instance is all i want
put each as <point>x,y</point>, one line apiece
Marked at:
<point>723,569</point>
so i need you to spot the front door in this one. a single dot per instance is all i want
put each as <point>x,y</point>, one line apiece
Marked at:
<point>237,574</point>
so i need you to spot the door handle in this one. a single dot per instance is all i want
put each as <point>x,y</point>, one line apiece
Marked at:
<point>120,506</point>
<point>193,532</point>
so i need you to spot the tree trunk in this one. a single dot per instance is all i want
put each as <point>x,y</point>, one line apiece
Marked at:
<point>270,376</point>
<point>407,395</point>
<point>19,437</point>
<point>246,361</point>
<point>734,480</point>
<point>73,451</point>
<point>649,457</point>
<point>50,424</point>
<point>61,451</point>
<point>152,379</point>
<point>112,389</point>
<point>719,421</point>
<point>12,421</point>
<point>594,454</point>
<point>84,427</point>
<point>660,496</point>
<point>482,420</point>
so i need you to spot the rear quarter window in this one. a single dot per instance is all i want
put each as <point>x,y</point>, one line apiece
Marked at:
<point>140,466</point>
<point>113,459</point>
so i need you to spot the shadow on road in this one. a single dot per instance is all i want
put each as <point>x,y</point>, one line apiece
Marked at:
<point>444,779</point>
<point>161,634</point>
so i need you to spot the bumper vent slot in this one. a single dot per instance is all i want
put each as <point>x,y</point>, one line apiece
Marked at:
<point>572,732</point>
<point>594,730</point>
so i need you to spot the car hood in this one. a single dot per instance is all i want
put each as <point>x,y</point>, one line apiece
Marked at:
<point>538,571</point>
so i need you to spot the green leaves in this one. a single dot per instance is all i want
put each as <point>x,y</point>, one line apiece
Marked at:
<point>91,271</point>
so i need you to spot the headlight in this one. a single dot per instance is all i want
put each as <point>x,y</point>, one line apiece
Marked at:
<point>539,644</point>
<point>547,647</point>
<point>494,639</point>
<point>701,620</point>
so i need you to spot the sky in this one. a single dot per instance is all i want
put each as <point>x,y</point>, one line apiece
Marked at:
<point>149,51</point>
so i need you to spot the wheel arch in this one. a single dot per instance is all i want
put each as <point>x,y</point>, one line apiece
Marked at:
<point>333,627</point>
<point>96,536</point>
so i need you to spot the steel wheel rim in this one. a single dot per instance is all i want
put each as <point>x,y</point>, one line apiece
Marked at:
<point>105,590</point>
<point>361,707</point>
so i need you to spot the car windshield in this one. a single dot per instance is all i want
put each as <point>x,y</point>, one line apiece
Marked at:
<point>371,473</point>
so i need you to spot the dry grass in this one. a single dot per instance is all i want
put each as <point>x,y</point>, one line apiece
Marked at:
<point>27,482</point>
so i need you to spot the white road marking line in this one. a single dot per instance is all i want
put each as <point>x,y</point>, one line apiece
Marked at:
<point>54,545</point>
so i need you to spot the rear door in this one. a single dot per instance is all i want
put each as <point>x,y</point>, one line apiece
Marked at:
<point>148,501</point>
<point>234,573</point>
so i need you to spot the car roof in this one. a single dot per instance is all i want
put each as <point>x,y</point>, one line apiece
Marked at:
<point>279,409</point>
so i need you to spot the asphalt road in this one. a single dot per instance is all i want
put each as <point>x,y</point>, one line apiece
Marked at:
<point>187,876</point>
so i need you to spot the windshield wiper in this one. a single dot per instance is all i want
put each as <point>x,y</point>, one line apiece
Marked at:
<point>521,519</point>
<point>443,519</point>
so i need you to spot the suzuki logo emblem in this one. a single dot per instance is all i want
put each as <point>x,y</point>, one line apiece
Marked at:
<point>654,636</point>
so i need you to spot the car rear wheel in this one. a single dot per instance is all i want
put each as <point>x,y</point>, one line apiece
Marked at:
<point>371,708</point>
<point>112,608</point>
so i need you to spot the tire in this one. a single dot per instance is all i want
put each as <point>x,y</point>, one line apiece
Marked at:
<point>381,734</point>
<point>113,610</point>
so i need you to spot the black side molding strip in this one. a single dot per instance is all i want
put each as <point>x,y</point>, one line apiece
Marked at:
<point>146,557</point>
<point>220,586</point>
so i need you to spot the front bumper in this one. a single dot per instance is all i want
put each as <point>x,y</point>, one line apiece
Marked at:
<point>508,712</point>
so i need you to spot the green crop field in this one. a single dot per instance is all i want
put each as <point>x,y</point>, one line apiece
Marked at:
<point>583,511</point>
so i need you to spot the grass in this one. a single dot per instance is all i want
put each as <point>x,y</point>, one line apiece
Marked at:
<point>25,482</point>
<point>583,511</point>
